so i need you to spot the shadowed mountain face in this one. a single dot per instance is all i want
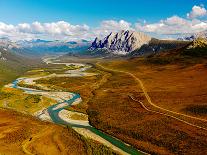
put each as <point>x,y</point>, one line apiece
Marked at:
<point>156,46</point>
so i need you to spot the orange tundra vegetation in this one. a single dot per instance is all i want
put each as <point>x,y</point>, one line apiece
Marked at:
<point>121,109</point>
<point>20,134</point>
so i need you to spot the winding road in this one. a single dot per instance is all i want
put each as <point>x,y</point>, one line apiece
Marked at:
<point>53,112</point>
<point>164,111</point>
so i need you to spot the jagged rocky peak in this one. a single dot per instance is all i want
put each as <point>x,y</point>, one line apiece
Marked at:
<point>122,42</point>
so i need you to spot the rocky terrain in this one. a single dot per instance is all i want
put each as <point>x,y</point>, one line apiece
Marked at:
<point>131,44</point>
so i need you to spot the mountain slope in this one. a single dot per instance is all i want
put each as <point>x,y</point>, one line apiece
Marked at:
<point>13,65</point>
<point>156,46</point>
<point>192,53</point>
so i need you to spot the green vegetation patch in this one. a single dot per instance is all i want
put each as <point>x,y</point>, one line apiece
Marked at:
<point>29,86</point>
<point>95,148</point>
<point>74,67</point>
<point>33,98</point>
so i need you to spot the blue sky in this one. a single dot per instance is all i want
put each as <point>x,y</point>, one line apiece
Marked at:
<point>92,13</point>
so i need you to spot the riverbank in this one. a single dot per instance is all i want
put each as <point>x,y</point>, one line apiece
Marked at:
<point>64,100</point>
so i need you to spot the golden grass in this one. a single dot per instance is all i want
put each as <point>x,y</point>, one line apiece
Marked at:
<point>174,87</point>
<point>17,128</point>
<point>79,117</point>
<point>110,108</point>
<point>113,111</point>
<point>25,134</point>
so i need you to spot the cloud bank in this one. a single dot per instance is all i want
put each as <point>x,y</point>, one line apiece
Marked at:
<point>195,21</point>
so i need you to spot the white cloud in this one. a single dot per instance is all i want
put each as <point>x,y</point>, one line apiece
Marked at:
<point>62,30</point>
<point>55,30</point>
<point>173,25</point>
<point>112,25</point>
<point>197,11</point>
<point>108,26</point>
<point>4,28</point>
<point>175,20</point>
<point>176,25</point>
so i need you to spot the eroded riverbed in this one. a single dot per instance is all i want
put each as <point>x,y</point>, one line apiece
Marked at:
<point>58,114</point>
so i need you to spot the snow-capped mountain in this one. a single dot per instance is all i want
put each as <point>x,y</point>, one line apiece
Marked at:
<point>46,43</point>
<point>192,37</point>
<point>121,43</point>
<point>131,44</point>
<point>42,47</point>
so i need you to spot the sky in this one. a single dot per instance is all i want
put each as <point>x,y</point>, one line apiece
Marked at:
<point>86,19</point>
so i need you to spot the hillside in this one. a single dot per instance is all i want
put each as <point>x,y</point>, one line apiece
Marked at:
<point>156,46</point>
<point>13,65</point>
<point>156,102</point>
<point>27,135</point>
<point>193,52</point>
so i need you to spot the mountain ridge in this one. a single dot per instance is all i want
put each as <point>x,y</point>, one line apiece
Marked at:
<point>122,42</point>
<point>131,44</point>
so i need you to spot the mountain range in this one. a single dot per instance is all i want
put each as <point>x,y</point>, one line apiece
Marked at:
<point>40,47</point>
<point>131,43</point>
<point>123,43</point>
<point>192,37</point>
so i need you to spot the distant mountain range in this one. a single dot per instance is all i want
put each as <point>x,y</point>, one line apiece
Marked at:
<point>123,43</point>
<point>192,37</point>
<point>40,47</point>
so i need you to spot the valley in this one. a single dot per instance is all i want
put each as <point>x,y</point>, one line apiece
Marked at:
<point>124,105</point>
<point>103,77</point>
<point>40,98</point>
<point>151,106</point>
<point>87,91</point>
